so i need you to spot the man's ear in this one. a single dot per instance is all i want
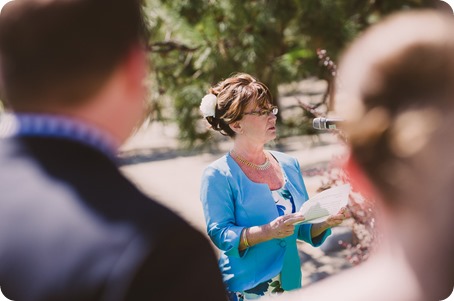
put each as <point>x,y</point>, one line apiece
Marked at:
<point>136,67</point>
<point>236,127</point>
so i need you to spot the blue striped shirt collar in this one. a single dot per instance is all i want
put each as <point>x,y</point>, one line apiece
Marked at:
<point>58,126</point>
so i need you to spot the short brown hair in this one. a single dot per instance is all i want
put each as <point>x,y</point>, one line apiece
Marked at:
<point>233,95</point>
<point>62,51</point>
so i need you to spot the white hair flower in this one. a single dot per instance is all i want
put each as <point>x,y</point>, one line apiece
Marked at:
<point>208,105</point>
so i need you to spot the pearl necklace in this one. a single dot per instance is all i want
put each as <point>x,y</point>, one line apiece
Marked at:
<point>263,166</point>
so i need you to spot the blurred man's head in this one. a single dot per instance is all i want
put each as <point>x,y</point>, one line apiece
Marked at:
<point>61,52</point>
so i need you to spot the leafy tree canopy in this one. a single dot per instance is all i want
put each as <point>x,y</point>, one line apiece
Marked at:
<point>196,43</point>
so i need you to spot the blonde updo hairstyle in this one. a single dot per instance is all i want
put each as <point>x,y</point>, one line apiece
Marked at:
<point>396,92</point>
<point>233,95</point>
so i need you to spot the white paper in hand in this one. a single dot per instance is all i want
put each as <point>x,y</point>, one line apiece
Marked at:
<point>328,202</point>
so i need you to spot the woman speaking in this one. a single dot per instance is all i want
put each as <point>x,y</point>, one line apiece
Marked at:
<point>251,196</point>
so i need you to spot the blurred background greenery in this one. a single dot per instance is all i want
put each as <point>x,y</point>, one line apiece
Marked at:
<point>196,43</point>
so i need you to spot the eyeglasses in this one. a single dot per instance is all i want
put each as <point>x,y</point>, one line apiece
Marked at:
<point>264,112</point>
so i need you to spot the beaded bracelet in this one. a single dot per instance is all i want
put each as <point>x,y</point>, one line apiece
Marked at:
<point>244,234</point>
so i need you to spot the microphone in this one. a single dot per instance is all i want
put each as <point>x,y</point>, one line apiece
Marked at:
<point>322,123</point>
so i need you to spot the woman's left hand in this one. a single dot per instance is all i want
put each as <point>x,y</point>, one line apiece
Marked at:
<point>337,219</point>
<point>332,221</point>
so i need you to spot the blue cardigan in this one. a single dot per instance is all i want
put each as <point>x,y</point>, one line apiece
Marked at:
<point>231,202</point>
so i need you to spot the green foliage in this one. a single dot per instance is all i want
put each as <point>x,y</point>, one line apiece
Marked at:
<point>196,43</point>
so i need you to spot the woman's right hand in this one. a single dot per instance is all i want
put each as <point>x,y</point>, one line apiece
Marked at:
<point>281,227</point>
<point>284,226</point>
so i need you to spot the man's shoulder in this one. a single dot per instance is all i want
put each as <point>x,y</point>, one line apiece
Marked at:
<point>82,178</point>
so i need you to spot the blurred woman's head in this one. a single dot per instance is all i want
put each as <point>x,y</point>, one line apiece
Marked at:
<point>396,93</point>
